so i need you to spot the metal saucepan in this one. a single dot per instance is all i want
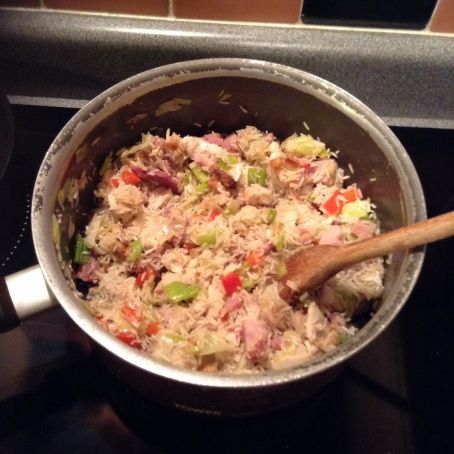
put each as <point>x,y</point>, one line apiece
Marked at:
<point>224,95</point>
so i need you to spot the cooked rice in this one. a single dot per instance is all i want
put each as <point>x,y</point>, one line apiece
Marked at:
<point>219,215</point>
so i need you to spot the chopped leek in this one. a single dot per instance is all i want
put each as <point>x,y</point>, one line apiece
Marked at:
<point>279,242</point>
<point>81,251</point>
<point>271,215</point>
<point>305,146</point>
<point>256,175</point>
<point>200,175</point>
<point>106,164</point>
<point>209,344</point>
<point>223,165</point>
<point>359,209</point>
<point>248,284</point>
<point>281,270</point>
<point>233,160</point>
<point>136,251</point>
<point>172,338</point>
<point>202,188</point>
<point>208,238</point>
<point>233,207</point>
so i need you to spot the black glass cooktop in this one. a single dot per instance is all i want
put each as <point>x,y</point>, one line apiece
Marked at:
<point>397,396</point>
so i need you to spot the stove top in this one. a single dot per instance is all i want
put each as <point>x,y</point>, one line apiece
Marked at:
<point>396,396</point>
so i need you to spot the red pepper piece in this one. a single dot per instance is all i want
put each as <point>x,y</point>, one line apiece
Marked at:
<point>131,314</point>
<point>142,278</point>
<point>214,214</point>
<point>256,258</point>
<point>152,328</point>
<point>129,177</point>
<point>129,338</point>
<point>231,282</point>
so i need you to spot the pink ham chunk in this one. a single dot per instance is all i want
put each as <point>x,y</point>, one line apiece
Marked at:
<point>323,171</point>
<point>231,143</point>
<point>215,138</point>
<point>332,236</point>
<point>276,342</point>
<point>363,229</point>
<point>254,334</point>
<point>305,235</point>
<point>87,272</point>
<point>300,162</point>
<point>157,178</point>
<point>233,303</point>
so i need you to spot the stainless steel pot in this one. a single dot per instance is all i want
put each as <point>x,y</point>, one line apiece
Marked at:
<point>191,98</point>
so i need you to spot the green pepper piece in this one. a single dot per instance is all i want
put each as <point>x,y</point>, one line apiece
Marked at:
<point>256,175</point>
<point>81,251</point>
<point>178,292</point>
<point>200,175</point>
<point>281,270</point>
<point>136,251</point>
<point>208,238</point>
<point>271,215</point>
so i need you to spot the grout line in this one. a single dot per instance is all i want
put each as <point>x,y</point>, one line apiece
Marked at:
<point>171,14</point>
<point>427,27</point>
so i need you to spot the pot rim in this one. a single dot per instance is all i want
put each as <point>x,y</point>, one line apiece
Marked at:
<point>51,170</point>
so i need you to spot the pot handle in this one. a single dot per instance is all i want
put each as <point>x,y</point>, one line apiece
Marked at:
<point>23,294</point>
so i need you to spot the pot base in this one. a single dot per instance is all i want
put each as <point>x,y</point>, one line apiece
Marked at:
<point>217,402</point>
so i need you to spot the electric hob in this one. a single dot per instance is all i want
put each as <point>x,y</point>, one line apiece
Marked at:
<point>396,396</point>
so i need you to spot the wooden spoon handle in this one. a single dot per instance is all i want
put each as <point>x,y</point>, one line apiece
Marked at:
<point>407,237</point>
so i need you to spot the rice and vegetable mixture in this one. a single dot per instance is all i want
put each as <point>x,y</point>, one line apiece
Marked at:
<point>185,253</point>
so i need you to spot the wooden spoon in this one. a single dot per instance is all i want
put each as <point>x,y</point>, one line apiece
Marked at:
<point>313,266</point>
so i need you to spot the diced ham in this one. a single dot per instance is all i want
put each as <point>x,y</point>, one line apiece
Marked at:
<point>157,178</point>
<point>254,334</point>
<point>233,303</point>
<point>363,229</point>
<point>269,247</point>
<point>231,143</point>
<point>333,236</point>
<point>305,235</point>
<point>158,142</point>
<point>276,342</point>
<point>87,272</point>
<point>300,162</point>
<point>227,181</point>
<point>167,167</point>
<point>215,138</point>
<point>204,154</point>
<point>323,171</point>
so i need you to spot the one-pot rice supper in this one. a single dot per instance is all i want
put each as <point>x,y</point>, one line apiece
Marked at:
<point>185,255</point>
